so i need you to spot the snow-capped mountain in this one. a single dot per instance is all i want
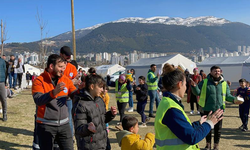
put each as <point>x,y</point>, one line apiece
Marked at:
<point>190,21</point>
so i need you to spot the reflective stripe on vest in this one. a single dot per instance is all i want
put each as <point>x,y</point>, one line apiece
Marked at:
<point>203,94</point>
<point>53,121</point>
<point>164,138</point>
<point>123,94</point>
<point>154,85</point>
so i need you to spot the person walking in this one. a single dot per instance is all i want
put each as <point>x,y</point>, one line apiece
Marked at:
<point>152,82</point>
<point>213,92</point>
<point>20,70</point>
<point>173,129</point>
<point>131,101</point>
<point>50,92</point>
<point>2,88</point>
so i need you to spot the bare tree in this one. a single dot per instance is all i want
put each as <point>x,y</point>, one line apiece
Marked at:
<point>42,25</point>
<point>3,35</point>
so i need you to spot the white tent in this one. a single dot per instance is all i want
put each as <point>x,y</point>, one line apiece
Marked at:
<point>233,68</point>
<point>143,65</point>
<point>104,70</point>
<point>31,70</point>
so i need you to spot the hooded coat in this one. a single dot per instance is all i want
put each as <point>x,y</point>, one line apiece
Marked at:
<point>130,141</point>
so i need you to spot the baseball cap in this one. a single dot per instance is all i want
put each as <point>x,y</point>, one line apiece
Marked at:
<point>66,50</point>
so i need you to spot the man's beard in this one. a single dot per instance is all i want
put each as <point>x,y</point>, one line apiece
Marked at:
<point>55,74</point>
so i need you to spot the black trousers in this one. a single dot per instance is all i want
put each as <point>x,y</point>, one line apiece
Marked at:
<point>47,134</point>
<point>19,79</point>
<point>193,99</point>
<point>217,131</point>
<point>121,109</point>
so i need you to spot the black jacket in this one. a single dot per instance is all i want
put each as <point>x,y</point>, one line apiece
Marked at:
<point>85,110</point>
<point>141,95</point>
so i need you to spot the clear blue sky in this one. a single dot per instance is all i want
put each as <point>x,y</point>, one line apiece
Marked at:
<point>22,26</point>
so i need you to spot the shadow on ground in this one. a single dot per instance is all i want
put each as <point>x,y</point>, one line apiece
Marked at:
<point>235,134</point>
<point>9,146</point>
<point>15,131</point>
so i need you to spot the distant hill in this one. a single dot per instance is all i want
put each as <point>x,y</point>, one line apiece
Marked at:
<point>155,34</point>
<point>123,37</point>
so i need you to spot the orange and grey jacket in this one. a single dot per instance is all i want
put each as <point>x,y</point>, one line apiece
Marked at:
<point>51,109</point>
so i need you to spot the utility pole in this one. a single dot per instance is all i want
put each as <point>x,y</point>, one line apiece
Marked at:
<point>73,29</point>
<point>2,37</point>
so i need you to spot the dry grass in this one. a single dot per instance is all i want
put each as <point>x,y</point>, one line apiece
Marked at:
<point>17,132</point>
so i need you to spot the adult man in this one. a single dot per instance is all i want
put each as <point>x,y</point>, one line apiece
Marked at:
<point>6,72</point>
<point>152,82</point>
<point>72,73</point>
<point>50,91</point>
<point>213,93</point>
<point>20,70</point>
<point>12,72</point>
<point>2,88</point>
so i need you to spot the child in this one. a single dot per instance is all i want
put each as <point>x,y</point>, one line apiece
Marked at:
<point>105,97</point>
<point>122,88</point>
<point>90,115</point>
<point>244,107</point>
<point>141,96</point>
<point>128,139</point>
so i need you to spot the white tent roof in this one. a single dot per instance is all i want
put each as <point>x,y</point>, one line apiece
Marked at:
<point>225,60</point>
<point>32,69</point>
<point>143,65</point>
<point>104,70</point>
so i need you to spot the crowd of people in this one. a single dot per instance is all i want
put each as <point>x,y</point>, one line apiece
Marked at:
<point>71,102</point>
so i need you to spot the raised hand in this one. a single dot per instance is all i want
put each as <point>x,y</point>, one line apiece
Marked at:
<point>216,116</point>
<point>113,110</point>
<point>59,87</point>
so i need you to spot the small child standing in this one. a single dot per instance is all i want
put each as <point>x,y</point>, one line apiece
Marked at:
<point>141,96</point>
<point>244,107</point>
<point>128,139</point>
<point>90,115</point>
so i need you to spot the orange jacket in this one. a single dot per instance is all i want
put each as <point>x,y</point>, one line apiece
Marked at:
<point>51,109</point>
<point>106,100</point>
<point>70,71</point>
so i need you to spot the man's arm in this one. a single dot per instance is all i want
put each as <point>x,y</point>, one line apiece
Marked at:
<point>196,90</point>
<point>151,79</point>
<point>229,97</point>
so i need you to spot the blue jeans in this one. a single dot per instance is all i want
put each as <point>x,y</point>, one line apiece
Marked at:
<point>153,97</point>
<point>130,102</point>
<point>244,112</point>
<point>70,105</point>
<point>14,76</point>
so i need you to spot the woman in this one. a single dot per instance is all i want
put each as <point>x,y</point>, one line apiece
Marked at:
<point>191,98</point>
<point>173,129</point>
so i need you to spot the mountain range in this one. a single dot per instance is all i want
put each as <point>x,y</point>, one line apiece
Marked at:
<point>155,34</point>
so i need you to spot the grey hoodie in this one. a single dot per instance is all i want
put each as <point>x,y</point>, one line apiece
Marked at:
<point>121,134</point>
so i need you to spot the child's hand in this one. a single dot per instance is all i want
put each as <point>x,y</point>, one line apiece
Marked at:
<point>113,110</point>
<point>203,119</point>
<point>91,127</point>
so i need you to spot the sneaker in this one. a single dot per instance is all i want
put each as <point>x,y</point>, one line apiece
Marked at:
<point>1,111</point>
<point>147,119</point>
<point>143,125</point>
<point>208,146</point>
<point>15,88</point>
<point>244,129</point>
<point>241,127</point>
<point>192,112</point>
<point>131,109</point>
<point>198,113</point>
<point>151,116</point>
<point>119,127</point>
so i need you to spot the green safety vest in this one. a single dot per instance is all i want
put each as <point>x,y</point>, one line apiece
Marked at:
<point>123,94</point>
<point>152,86</point>
<point>203,94</point>
<point>165,139</point>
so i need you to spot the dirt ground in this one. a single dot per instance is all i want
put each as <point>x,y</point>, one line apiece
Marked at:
<point>17,132</point>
